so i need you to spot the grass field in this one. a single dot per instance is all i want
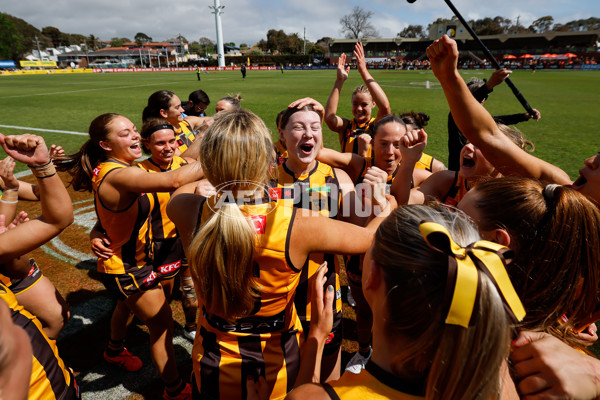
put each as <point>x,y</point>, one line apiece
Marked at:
<point>568,101</point>
<point>567,134</point>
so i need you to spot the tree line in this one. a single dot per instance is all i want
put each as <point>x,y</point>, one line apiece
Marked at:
<point>505,26</point>
<point>18,38</point>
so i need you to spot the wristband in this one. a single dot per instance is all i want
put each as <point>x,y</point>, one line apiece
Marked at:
<point>10,196</point>
<point>43,171</point>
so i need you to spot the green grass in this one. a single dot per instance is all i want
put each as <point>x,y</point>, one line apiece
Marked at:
<point>565,136</point>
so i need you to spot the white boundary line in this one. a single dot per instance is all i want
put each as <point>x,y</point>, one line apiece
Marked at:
<point>28,128</point>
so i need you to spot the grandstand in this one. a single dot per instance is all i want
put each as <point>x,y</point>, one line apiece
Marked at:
<point>584,45</point>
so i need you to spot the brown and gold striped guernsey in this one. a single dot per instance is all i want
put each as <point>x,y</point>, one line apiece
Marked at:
<point>266,343</point>
<point>50,378</point>
<point>128,229</point>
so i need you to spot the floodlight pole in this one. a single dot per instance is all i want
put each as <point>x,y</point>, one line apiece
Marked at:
<point>220,51</point>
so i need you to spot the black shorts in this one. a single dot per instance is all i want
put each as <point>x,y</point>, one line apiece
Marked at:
<point>136,281</point>
<point>34,275</point>
<point>168,256</point>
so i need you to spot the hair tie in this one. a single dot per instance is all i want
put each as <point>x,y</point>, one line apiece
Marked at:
<point>158,128</point>
<point>548,191</point>
<point>464,264</point>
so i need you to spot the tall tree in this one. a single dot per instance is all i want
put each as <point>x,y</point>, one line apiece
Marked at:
<point>118,42</point>
<point>54,35</point>
<point>92,42</point>
<point>208,46</point>
<point>141,38</point>
<point>542,25</point>
<point>412,31</point>
<point>357,24</point>
<point>11,41</point>
<point>490,26</point>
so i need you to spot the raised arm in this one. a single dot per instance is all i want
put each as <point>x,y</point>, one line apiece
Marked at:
<point>412,145</point>
<point>10,195</point>
<point>57,210</point>
<point>377,93</point>
<point>477,124</point>
<point>334,122</point>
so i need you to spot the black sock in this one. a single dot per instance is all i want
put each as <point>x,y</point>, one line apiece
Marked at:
<point>115,347</point>
<point>364,349</point>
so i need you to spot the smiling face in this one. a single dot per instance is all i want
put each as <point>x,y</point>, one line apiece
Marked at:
<point>162,145</point>
<point>173,113</point>
<point>302,136</point>
<point>386,146</point>
<point>122,141</point>
<point>474,166</point>
<point>362,106</point>
<point>588,182</point>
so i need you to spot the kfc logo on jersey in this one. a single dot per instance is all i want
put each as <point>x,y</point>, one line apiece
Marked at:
<point>96,171</point>
<point>168,268</point>
<point>260,222</point>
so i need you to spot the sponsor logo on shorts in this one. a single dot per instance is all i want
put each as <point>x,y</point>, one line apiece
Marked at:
<point>149,279</point>
<point>168,268</point>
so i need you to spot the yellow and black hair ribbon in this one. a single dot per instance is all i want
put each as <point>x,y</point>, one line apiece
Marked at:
<point>464,264</point>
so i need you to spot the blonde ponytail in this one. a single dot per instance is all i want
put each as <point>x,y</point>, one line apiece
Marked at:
<point>236,154</point>
<point>221,252</point>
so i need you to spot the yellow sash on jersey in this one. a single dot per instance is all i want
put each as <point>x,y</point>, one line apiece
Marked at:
<point>463,274</point>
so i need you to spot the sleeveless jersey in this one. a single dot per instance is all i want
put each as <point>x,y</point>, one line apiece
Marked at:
<point>425,162</point>
<point>185,135</point>
<point>267,342</point>
<point>162,227</point>
<point>50,378</point>
<point>352,131</point>
<point>319,191</point>
<point>457,191</point>
<point>128,229</point>
<point>166,247</point>
<point>373,383</point>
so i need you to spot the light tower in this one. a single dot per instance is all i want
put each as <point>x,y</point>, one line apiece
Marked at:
<point>220,52</point>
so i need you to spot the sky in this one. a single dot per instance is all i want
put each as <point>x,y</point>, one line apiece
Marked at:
<point>247,21</point>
